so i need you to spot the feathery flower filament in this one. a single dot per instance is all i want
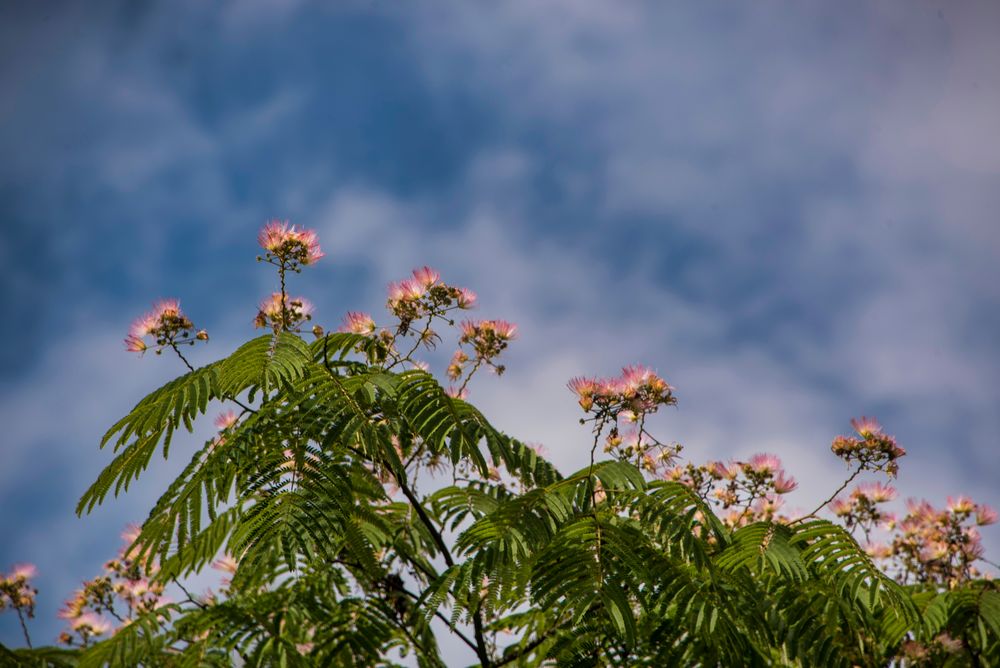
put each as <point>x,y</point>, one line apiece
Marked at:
<point>283,316</point>
<point>357,322</point>
<point>166,324</point>
<point>985,515</point>
<point>289,246</point>
<point>225,420</point>
<point>875,492</point>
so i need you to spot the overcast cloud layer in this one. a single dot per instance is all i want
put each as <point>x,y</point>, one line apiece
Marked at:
<point>788,209</point>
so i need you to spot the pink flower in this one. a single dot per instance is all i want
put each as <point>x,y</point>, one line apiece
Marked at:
<point>764,463</point>
<point>134,344</point>
<point>841,507</point>
<point>92,623</point>
<point>357,322</point>
<point>724,471</point>
<point>225,420</point>
<point>878,550</point>
<point>420,364</point>
<point>466,298</point>
<point>290,244</point>
<point>225,563</point>
<point>163,322</point>
<point>503,329</point>
<point>23,571</point>
<point>297,309</point>
<point>426,276</point>
<point>985,515</point>
<point>866,426</point>
<point>875,492</point>
<point>582,386</point>
<point>784,484</point>
<point>961,505</point>
<point>131,533</point>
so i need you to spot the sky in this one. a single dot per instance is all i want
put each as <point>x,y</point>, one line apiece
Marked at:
<point>788,209</point>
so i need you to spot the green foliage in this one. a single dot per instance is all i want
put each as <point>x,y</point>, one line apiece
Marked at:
<point>343,560</point>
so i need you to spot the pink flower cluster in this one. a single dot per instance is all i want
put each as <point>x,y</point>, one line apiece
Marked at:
<point>123,591</point>
<point>166,324</point>
<point>940,546</point>
<point>357,322</point>
<point>927,545</point>
<point>873,451</point>
<point>283,314</point>
<point>16,591</point>
<point>423,294</point>
<point>637,390</point>
<point>288,246</point>
<point>750,491</point>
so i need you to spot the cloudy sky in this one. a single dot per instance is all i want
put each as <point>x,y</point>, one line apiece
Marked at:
<point>789,209</point>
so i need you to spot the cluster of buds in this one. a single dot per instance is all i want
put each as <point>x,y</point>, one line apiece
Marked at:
<point>749,491</point>
<point>166,324</point>
<point>862,509</point>
<point>123,591</point>
<point>16,591</point>
<point>487,339</point>
<point>423,294</point>
<point>635,444</point>
<point>636,391</point>
<point>871,449</point>
<point>283,313</point>
<point>938,546</point>
<point>287,247</point>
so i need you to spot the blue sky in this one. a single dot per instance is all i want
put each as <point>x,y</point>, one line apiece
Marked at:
<point>788,209</point>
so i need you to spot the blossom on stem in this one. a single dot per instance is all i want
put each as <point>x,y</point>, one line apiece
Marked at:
<point>283,316</point>
<point>225,420</point>
<point>358,322</point>
<point>426,277</point>
<point>466,298</point>
<point>289,245</point>
<point>875,492</point>
<point>764,463</point>
<point>985,515</point>
<point>166,324</point>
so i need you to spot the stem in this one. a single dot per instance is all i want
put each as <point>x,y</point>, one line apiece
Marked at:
<point>177,350</point>
<point>24,627</point>
<point>284,298</point>
<point>477,619</point>
<point>831,498</point>
<point>475,367</point>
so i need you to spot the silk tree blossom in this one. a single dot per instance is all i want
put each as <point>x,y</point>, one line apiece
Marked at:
<point>283,313</point>
<point>358,322</point>
<point>875,492</point>
<point>288,245</point>
<point>426,277</point>
<point>23,572</point>
<point>985,515</point>
<point>226,564</point>
<point>488,338</point>
<point>225,420</point>
<point>466,298</point>
<point>166,324</point>
<point>764,463</point>
<point>91,624</point>
<point>873,451</point>
<point>637,391</point>
<point>961,505</point>
<point>16,591</point>
<point>841,506</point>
<point>783,484</point>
